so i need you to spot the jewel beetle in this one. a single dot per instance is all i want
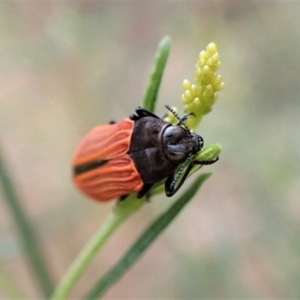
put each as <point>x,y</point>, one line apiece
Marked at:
<point>118,159</point>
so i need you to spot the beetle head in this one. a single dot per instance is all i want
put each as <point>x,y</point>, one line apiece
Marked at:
<point>178,143</point>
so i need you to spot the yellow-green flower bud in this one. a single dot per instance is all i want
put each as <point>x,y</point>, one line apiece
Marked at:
<point>209,153</point>
<point>198,98</point>
<point>186,84</point>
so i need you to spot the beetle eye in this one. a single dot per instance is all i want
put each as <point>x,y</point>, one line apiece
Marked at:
<point>173,133</point>
<point>175,150</point>
<point>176,156</point>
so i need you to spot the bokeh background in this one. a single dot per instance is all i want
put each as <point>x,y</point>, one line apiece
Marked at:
<point>68,66</point>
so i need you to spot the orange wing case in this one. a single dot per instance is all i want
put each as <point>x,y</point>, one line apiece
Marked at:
<point>117,176</point>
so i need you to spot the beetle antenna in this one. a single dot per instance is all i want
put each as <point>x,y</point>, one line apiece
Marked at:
<point>179,173</point>
<point>180,120</point>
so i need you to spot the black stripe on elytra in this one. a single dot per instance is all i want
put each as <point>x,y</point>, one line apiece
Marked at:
<point>88,166</point>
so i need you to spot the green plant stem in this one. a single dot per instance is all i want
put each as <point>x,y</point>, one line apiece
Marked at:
<point>155,78</point>
<point>144,241</point>
<point>9,288</point>
<point>29,240</point>
<point>116,218</point>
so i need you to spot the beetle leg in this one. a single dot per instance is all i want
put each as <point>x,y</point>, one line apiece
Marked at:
<point>141,113</point>
<point>121,199</point>
<point>133,117</point>
<point>143,192</point>
<point>145,189</point>
<point>169,184</point>
<point>207,162</point>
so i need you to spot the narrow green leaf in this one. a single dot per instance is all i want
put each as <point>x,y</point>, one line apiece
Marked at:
<point>154,81</point>
<point>33,253</point>
<point>120,213</point>
<point>144,241</point>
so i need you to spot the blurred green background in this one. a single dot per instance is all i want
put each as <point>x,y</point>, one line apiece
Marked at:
<point>68,66</point>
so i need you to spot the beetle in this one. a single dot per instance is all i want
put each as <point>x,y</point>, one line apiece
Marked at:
<point>118,159</point>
